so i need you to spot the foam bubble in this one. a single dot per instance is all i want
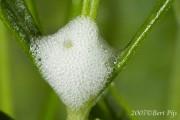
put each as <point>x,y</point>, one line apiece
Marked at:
<point>74,61</point>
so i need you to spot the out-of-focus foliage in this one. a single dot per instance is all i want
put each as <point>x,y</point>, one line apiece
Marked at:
<point>144,84</point>
<point>3,116</point>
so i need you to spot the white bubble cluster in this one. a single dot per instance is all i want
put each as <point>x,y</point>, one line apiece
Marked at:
<point>74,61</point>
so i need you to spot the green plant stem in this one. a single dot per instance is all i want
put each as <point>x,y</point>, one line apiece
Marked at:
<point>141,33</point>
<point>15,14</point>
<point>77,115</point>
<point>6,104</point>
<point>32,7</point>
<point>85,7</point>
<point>90,8</point>
<point>123,58</point>
<point>130,49</point>
<point>128,52</point>
<point>94,8</point>
<point>81,113</point>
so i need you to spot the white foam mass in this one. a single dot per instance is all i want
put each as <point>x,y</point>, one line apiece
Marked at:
<point>74,61</point>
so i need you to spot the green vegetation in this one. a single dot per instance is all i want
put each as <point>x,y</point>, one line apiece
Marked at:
<point>150,81</point>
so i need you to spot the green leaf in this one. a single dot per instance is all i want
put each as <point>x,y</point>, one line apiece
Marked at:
<point>33,9</point>
<point>15,14</point>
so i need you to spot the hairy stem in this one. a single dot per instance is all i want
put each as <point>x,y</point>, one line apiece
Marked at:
<point>141,33</point>
<point>33,9</point>
<point>15,14</point>
<point>130,49</point>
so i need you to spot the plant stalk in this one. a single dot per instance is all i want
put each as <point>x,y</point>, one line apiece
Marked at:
<point>94,8</point>
<point>141,33</point>
<point>16,16</point>
<point>90,8</point>
<point>85,7</point>
<point>77,115</point>
<point>122,59</point>
<point>81,113</point>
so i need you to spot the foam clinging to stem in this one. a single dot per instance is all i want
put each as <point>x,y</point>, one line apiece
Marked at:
<point>74,61</point>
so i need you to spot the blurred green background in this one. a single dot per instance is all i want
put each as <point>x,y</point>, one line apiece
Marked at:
<point>151,80</point>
